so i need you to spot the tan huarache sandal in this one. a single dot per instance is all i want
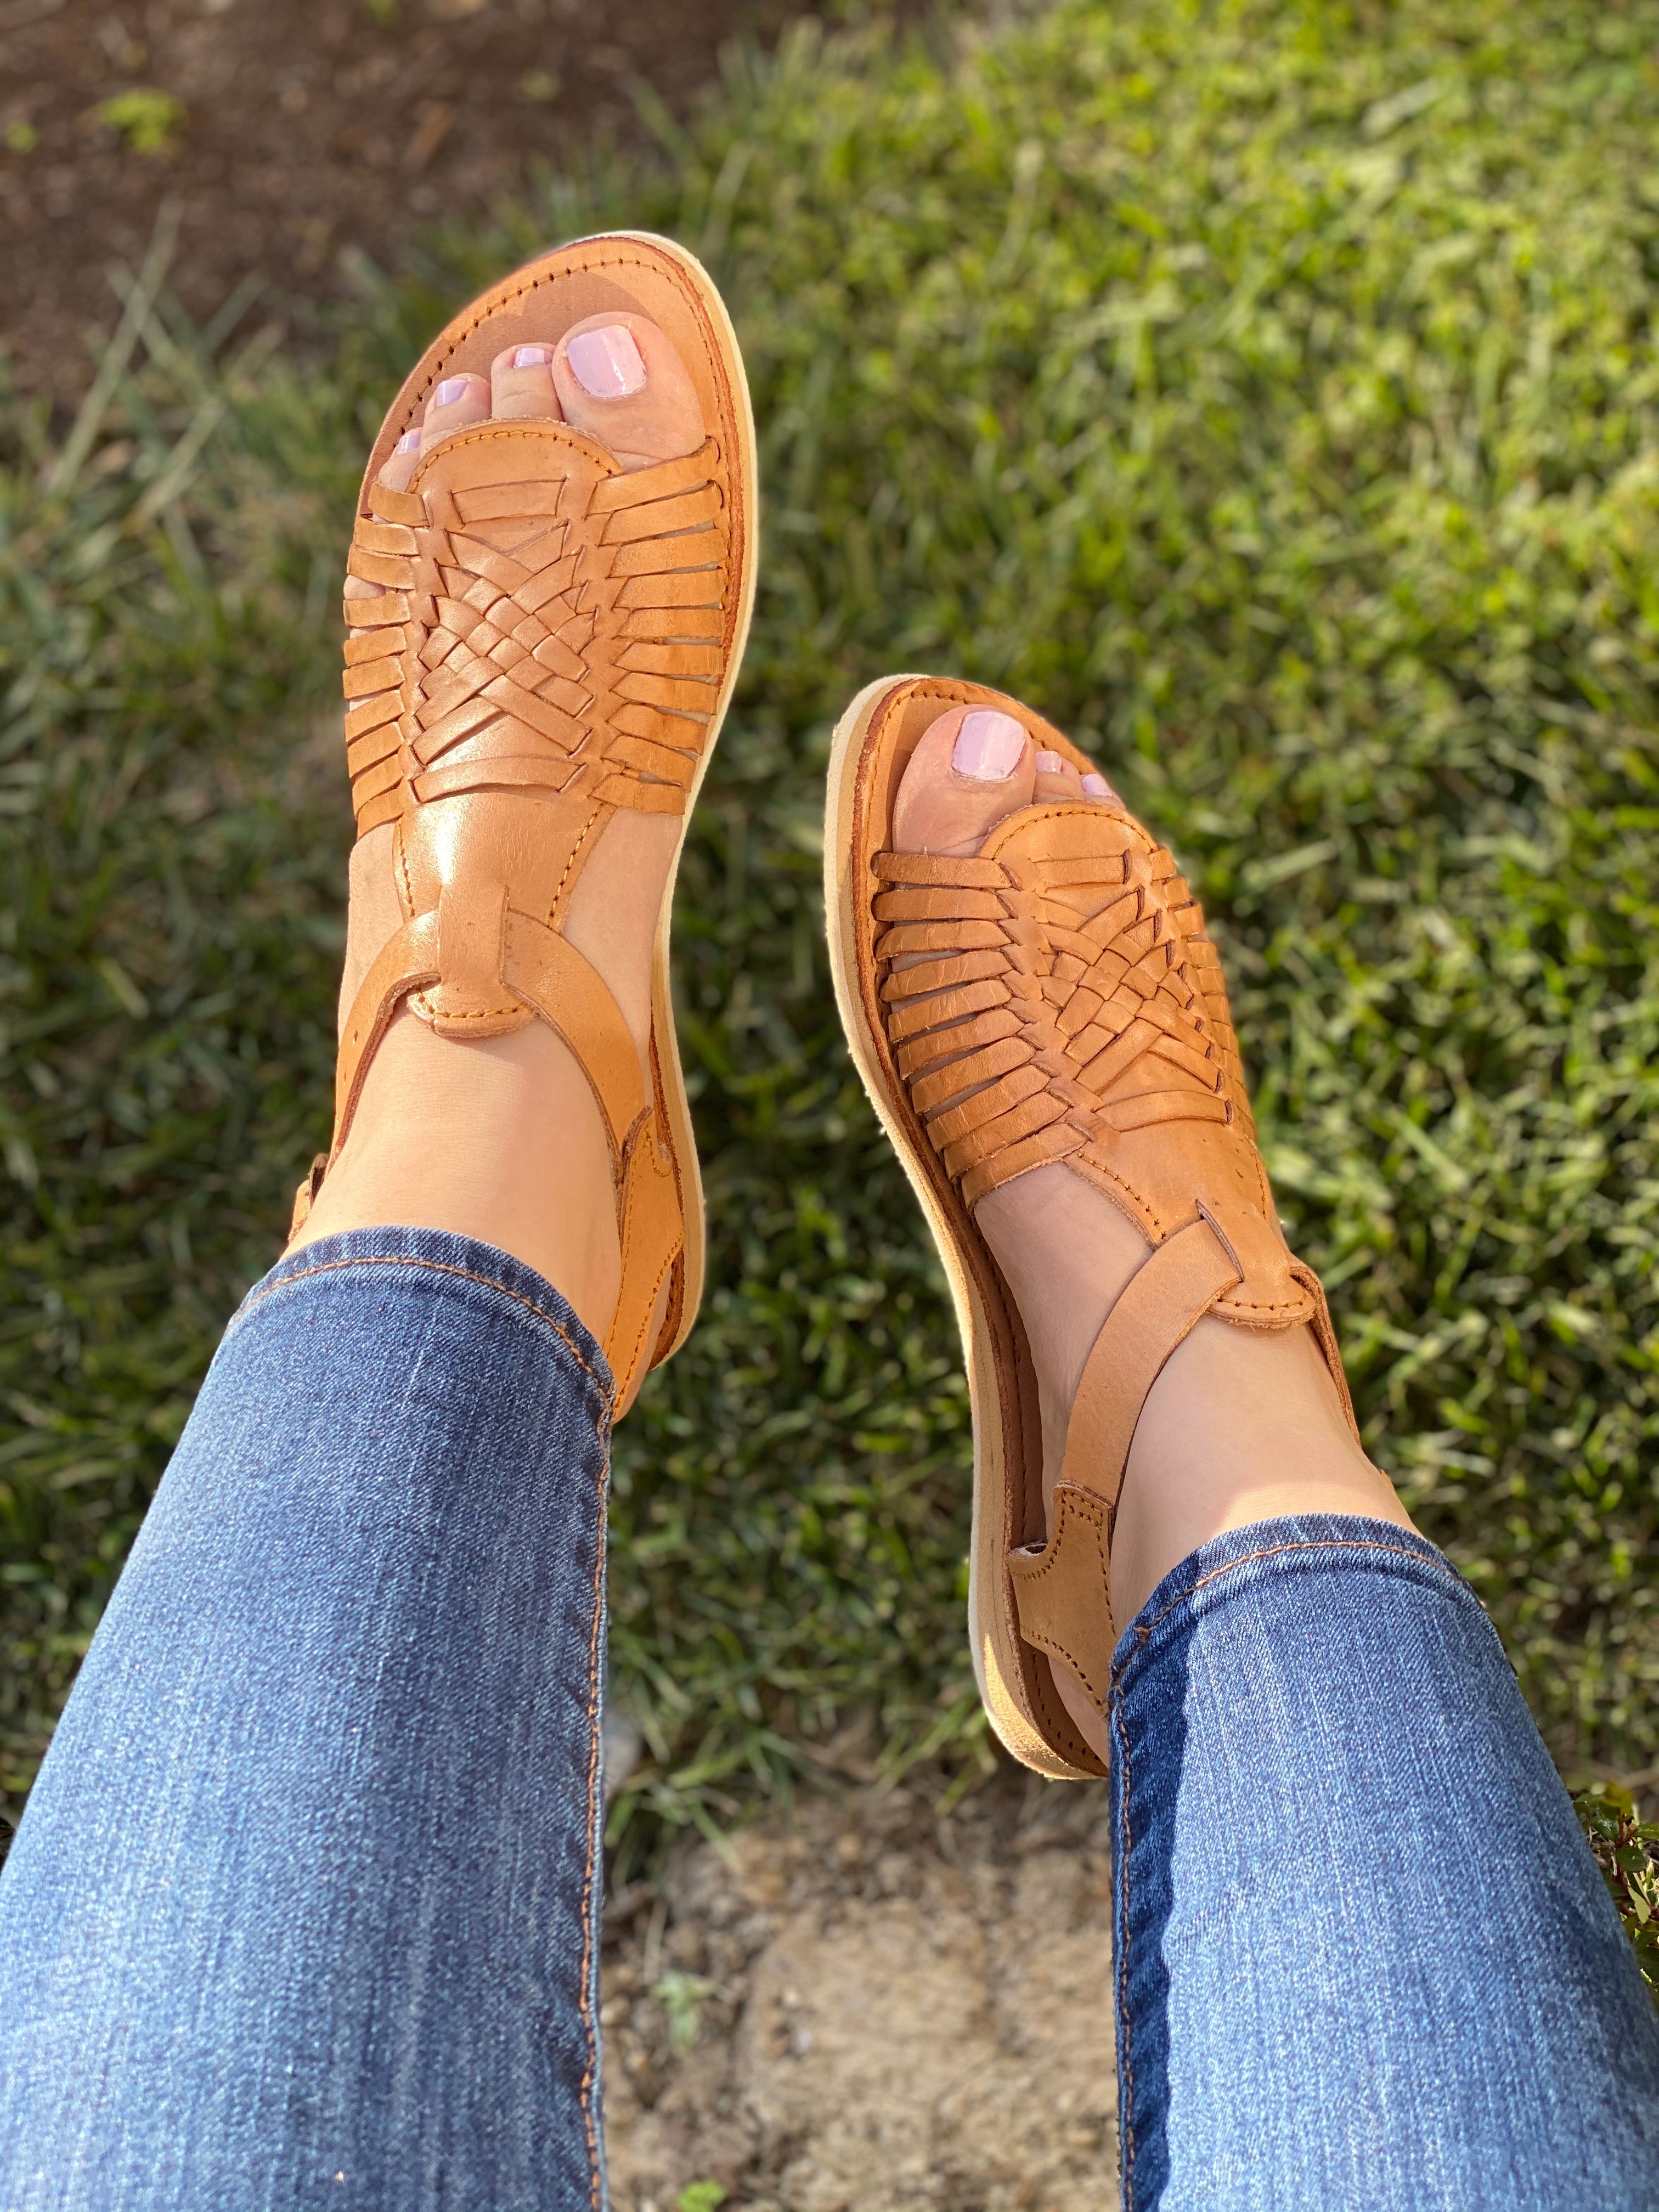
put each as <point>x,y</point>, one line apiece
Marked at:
<point>553,637</point>
<point>1058,1000</point>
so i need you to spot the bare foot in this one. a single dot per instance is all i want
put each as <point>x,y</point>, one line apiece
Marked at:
<point>501,1138</point>
<point>1240,1426</point>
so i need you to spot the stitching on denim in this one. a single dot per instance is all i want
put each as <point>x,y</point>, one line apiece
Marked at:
<point>1127,2116</point>
<point>591,2069</point>
<point>1271,1552</point>
<point>437,1268</point>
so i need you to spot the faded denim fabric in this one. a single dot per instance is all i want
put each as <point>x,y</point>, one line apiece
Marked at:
<point>1363,1955</point>
<point>304,1909</point>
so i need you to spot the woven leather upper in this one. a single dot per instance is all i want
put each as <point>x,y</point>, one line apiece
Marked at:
<point>1057,997</point>
<point>1051,1001</point>
<point>545,620</point>
<point>1080,983</point>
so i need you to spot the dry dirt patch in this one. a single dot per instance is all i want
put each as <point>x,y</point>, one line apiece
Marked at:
<point>290,137</point>
<point>871,2009</point>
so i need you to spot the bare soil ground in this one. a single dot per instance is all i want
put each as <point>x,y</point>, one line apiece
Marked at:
<point>303,129</point>
<point>870,2009</point>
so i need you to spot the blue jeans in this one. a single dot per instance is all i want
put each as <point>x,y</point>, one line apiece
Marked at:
<point>303,1911</point>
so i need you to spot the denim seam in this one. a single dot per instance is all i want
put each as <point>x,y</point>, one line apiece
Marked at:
<point>590,2071</point>
<point>487,1282</point>
<point>437,1268</point>
<point>1127,2116</point>
<point>1143,1631</point>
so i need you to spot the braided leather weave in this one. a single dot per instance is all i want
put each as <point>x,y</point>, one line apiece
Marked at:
<point>1041,1007</point>
<point>562,634</point>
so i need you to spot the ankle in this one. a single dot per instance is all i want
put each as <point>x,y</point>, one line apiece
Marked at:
<point>1239,1427</point>
<point>498,1140</point>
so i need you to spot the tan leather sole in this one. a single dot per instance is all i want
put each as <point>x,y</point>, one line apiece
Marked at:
<point>629,271</point>
<point>873,744</point>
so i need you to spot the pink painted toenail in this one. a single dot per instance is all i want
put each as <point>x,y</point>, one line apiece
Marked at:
<point>532,357</point>
<point>449,392</point>
<point>988,746</point>
<point>409,443</point>
<point>1050,763</point>
<point>1098,787</point>
<point>606,364</point>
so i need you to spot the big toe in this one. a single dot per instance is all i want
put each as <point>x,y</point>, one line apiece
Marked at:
<point>973,766</point>
<point>618,379</point>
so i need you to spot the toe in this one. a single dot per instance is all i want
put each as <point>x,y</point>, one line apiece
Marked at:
<point>1056,779</point>
<point>618,379</point>
<point>1095,787</point>
<point>456,404</point>
<point>521,384</point>
<point>973,766</point>
<point>399,467</point>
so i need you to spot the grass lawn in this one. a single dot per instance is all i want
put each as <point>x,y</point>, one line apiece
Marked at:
<point>1268,393</point>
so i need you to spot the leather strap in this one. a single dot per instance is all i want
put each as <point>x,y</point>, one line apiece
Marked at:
<point>538,966</point>
<point>1062,1589</point>
<point>650,1222</point>
<point>1163,1302</point>
<point>406,961</point>
<point>547,972</point>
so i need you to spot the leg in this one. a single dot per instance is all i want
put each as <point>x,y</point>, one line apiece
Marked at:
<point>303,1908</point>
<point>1363,1956</point>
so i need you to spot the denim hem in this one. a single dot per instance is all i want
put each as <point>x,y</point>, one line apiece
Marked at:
<point>442,1252</point>
<point>1290,1544</point>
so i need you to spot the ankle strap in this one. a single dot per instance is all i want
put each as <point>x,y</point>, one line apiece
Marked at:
<point>1061,1588</point>
<point>1163,1301</point>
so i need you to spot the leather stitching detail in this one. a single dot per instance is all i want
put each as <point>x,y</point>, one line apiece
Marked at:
<point>587,829</point>
<point>479,1013</point>
<point>1099,1515</point>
